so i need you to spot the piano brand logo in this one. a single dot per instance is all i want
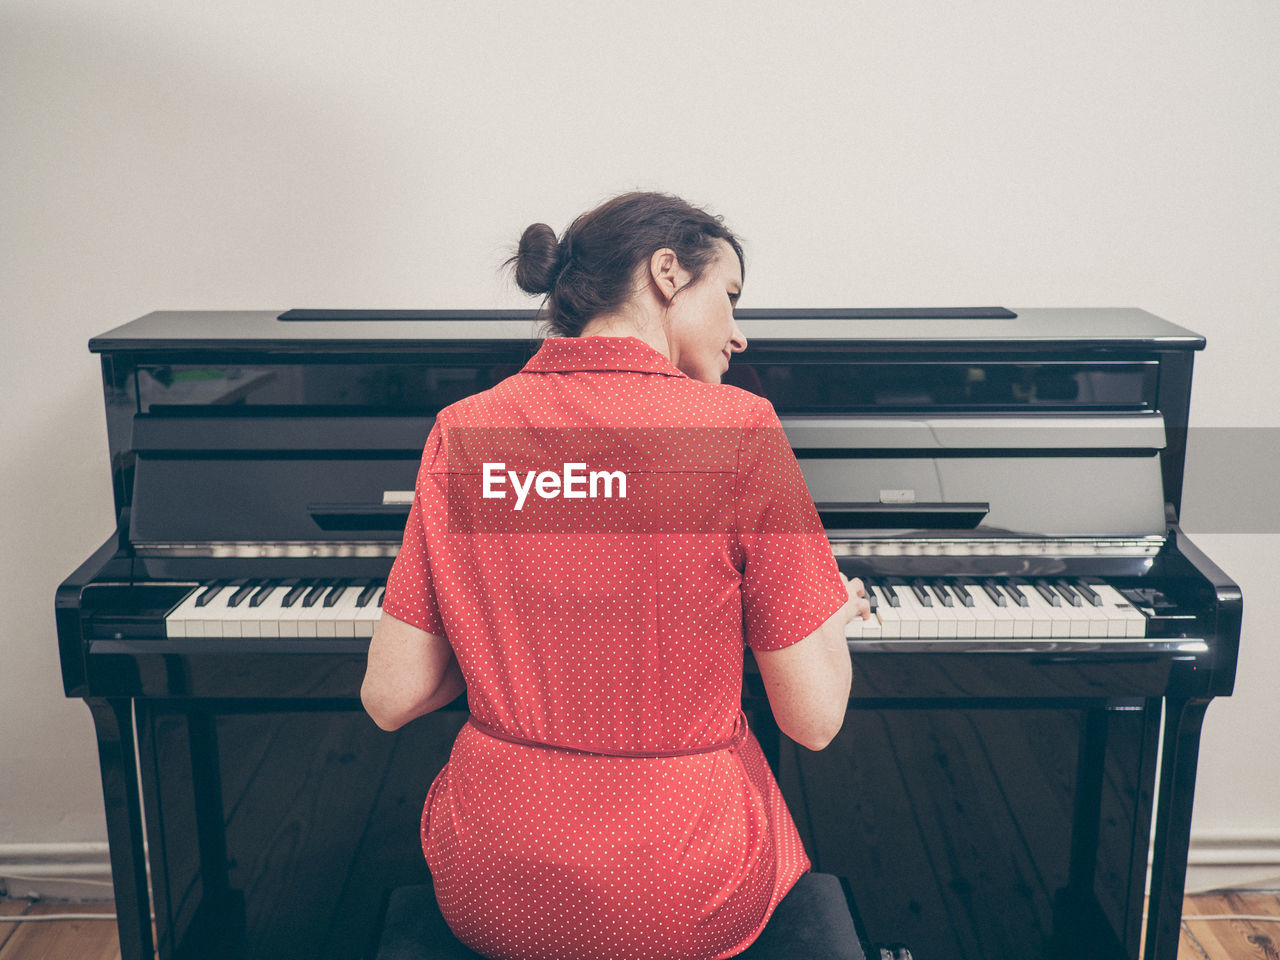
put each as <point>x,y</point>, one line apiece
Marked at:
<point>572,483</point>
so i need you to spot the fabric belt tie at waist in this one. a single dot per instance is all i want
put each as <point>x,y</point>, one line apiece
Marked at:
<point>739,734</point>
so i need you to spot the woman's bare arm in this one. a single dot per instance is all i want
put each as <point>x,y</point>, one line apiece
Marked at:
<point>410,672</point>
<point>808,682</point>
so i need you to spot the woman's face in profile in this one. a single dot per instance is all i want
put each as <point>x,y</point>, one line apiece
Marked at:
<point>703,332</point>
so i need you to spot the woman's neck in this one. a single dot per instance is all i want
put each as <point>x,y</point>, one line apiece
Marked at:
<point>624,325</point>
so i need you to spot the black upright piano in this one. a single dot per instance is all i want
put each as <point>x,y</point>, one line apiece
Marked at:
<point>1008,484</point>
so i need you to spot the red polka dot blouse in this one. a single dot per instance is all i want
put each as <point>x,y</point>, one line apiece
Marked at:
<point>606,801</point>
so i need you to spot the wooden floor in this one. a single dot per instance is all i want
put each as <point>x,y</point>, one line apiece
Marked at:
<point>56,939</point>
<point>1201,939</point>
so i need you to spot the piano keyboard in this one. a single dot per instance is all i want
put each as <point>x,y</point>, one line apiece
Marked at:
<point>1007,607</point>
<point>932,608</point>
<point>278,608</point>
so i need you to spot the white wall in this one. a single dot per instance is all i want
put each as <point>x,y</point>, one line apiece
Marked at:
<point>886,152</point>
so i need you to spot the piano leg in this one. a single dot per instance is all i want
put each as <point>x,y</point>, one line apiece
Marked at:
<point>1082,925</point>
<point>197,914</point>
<point>113,723</point>
<point>1183,722</point>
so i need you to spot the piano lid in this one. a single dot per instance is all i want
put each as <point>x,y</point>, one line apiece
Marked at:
<point>1073,328</point>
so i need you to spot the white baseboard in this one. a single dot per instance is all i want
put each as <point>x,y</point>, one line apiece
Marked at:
<point>1233,859</point>
<point>55,871</point>
<point>1222,859</point>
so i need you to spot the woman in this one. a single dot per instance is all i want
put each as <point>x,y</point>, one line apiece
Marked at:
<point>606,801</point>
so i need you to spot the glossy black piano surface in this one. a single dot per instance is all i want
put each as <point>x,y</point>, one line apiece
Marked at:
<point>988,796</point>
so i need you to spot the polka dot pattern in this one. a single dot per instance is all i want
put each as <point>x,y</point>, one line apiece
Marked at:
<point>616,641</point>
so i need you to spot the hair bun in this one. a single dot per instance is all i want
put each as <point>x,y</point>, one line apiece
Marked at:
<point>537,259</point>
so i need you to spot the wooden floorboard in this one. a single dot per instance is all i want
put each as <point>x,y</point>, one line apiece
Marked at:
<point>59,939</point>
<point>1201,939</point>
<point>10,908</point>
<point>1232,939</point>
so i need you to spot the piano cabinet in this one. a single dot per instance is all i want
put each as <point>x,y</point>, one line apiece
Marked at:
<point>986,797</point>
<point>992,829</point>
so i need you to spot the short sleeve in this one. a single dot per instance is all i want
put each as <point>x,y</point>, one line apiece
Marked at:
<point>411,593</point>
<point>791,583</point>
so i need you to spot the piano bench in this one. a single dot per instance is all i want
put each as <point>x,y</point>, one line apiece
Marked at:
<point>811,923</point>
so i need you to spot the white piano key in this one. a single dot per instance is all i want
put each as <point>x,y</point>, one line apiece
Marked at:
<point>1099,622</point>
<point>924,616</point>
<point>960,617</point>
<point>270,612</point>
<point>1042,618</point>
<point>309,617</point>
<point>238,620</point>
<point>288,617</point>
<point>1059,610</point>
<point>175,624</point>
<point>1023,622</point>
<point>908,615</point>
<point>983,613</point>
<point>859,629</point>
<point>1126,619</point>
<point>986,622</point>
<point>871,628</point>
<point>325,616</point>
<point>890,616</point>
<point>212,617</point>
<point>966,621</point>
<point>942,616</point>
<point>367,617</point>
<point>1078,621</point>
<point>264,619</point>
<point>342,614</point>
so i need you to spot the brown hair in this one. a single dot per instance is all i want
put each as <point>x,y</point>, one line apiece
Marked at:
<point>591,270</point>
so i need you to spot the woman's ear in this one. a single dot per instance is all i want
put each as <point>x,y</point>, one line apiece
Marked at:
<point>666,273</point>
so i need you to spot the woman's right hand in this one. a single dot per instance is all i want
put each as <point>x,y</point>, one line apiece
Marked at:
<point>858,606</point>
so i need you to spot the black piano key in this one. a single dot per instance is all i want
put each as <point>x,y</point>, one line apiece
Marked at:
<point>211,591</point>
<point>966,598</point>
<point>1050,595</point>
<point>381,593</point>
<point>262,593</point>
<point>1068,594</point>
<point>943,592</point>
<point>316,592</point>
<point>292,597</point>
<point>336,591</point>
<point>238,597</point>
<point>1087,592</point>
<point>1018,597</point>
<point>367,593</point>
<point>993,591</point>
<point>889,593</point>
<point>922,593</point>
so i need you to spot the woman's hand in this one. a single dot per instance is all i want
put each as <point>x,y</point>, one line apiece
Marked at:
<point>858,607</point>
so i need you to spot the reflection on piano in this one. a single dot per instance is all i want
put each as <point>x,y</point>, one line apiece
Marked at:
<point>1008,486</point>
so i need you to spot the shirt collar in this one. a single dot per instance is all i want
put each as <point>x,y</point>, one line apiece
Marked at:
<point>565,354</point>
